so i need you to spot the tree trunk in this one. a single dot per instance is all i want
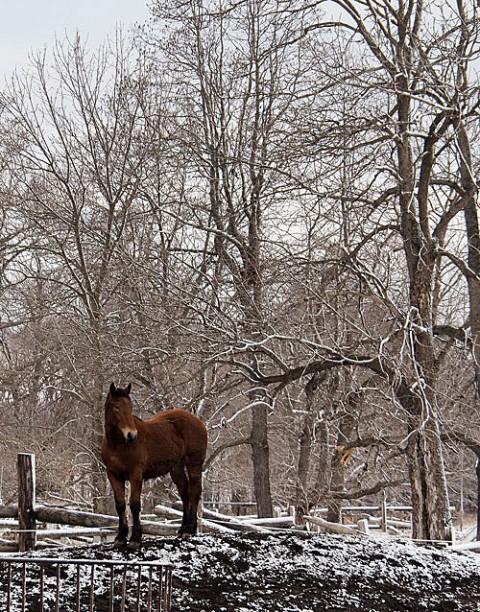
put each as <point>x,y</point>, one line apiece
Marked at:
<point>102,499</point>
<point>472,272</point>
<point>425,458</point>
<point>261,455</point>
<point>339,460</point>
<point>26,502</point>
<point>477,470</point>
<point>431,512</point>
<point>323,464</point>
<point>307,437</point>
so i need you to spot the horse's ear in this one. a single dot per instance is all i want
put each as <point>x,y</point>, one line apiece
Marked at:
<point>112,388</point>
<point>129,388</point>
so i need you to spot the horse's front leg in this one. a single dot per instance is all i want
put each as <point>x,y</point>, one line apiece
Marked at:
<point>135,506</point>
<point>118,487</point>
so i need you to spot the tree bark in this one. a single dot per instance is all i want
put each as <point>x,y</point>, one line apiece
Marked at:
<point>261,456</point>
<point>338,465</point>
<point>26,502</point>
<point>307,438</point>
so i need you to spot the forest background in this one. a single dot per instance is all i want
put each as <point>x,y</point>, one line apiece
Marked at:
<point>263,211</point>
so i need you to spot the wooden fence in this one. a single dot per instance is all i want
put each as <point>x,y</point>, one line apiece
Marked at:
<point>394,520</point>
<point>30,515</point>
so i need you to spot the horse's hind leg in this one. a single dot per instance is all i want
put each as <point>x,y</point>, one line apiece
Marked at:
<point>180,479</point>
<point>194,471</point>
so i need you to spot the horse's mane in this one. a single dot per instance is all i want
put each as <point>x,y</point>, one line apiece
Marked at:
<point>119,392</point>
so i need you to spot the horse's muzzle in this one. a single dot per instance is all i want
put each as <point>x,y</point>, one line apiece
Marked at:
<point>130,435</point>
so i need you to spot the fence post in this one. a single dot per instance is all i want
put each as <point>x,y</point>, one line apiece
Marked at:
<point>27,536</point>
<point>383,522</point>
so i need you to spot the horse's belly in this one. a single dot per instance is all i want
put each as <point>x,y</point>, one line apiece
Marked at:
<point>158,469</point>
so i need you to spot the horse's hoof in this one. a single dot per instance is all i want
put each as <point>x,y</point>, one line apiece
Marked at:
<point>134,545</point>
<point>119,543</point>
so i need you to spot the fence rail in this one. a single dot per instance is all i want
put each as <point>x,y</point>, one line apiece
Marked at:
<point>83,585</point>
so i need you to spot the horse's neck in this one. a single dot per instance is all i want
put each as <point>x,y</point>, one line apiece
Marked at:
<point>112,434</point>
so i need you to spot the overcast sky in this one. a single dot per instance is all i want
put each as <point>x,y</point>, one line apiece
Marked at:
<point>27,25</point>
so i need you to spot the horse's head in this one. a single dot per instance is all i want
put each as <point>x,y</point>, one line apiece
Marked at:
<point>118,411</point>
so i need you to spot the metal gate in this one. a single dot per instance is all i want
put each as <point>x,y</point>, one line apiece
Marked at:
<point>82,585</point>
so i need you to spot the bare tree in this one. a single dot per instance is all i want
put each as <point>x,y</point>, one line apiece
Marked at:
<point>235,92</point>
<point>258,199</point>
<point>420,85</point>
<point>409,192</point>
<point>77,176</point>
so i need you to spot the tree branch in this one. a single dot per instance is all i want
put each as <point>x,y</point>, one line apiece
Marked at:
<point>376,488</point>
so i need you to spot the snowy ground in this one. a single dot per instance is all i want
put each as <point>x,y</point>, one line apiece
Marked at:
<point>307,573</point>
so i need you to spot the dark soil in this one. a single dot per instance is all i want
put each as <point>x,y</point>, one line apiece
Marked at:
<point>307,573</point>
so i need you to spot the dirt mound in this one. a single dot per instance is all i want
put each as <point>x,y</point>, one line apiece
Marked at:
<point>307,573</point>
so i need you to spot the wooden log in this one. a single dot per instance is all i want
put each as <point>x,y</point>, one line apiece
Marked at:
<point>277,521</point>
<point>65,516</point>
<point>376,521</point>
<point>171,513</point>
<point>10,511</point>
<point>75,532</point>
<point>51,514</point>
<point>26,502</point>
<point>333,527</point>
<point>8,546</point>
<point>464,547</point>
<point>213,518</point>
<point>243,523</point>
<point>230,521</point>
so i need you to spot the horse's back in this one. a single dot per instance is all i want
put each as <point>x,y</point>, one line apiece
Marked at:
<point>186,426</point>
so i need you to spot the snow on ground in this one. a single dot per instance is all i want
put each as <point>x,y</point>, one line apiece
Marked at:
<point>296,572</point>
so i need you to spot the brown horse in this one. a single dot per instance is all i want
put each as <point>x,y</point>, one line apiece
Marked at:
<point>173,441</point>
